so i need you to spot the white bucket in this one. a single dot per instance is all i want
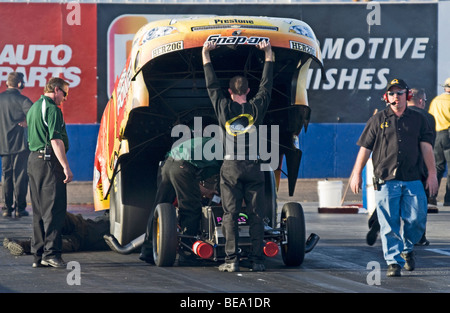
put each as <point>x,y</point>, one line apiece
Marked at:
<point>330,193</point>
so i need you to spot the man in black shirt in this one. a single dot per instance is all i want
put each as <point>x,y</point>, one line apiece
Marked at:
<point>400,139</point>
<point>241,177</point>
<point>13,145</point>
<point>417,103</point>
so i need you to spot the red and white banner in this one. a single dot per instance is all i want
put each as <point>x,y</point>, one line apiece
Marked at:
<point>52,39</point>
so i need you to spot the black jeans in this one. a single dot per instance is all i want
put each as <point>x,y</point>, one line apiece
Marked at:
<point>15,180</point>
<point>442,157</point>
<point>179,179</point>
<point>49,201</point>
<point>242,181</point>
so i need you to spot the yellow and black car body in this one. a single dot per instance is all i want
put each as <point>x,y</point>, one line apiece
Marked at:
<point>162,85</point>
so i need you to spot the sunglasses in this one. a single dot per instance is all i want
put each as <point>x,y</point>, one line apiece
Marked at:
<point>64,93</point>
<point>398,93</point>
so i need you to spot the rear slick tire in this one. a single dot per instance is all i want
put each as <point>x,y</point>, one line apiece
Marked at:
<point>165,238</point>
<point>293,223</point>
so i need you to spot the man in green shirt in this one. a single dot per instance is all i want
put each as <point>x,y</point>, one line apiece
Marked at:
<point>180,178</point>
<point>48,171</point>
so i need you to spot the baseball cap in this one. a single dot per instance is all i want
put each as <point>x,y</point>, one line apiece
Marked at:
<point>447,83</point>
<point>400,83</point>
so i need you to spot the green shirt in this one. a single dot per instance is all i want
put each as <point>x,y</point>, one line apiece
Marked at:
<point>200,152</point>
<point>45,122</point>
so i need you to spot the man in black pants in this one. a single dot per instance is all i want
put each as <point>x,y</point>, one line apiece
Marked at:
<point>179,178</point>
<point>241,177</point>
<point>13,145</point>
<point>49,172</point>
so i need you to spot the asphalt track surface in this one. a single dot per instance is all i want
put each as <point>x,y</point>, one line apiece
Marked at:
<point>342,262</point>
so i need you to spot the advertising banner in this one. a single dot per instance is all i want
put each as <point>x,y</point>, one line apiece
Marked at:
<point>43,40</point>
<point>363,45</point>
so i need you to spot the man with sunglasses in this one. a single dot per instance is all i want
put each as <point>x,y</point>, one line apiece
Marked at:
<point>400,140</point>
<point>49,172</point>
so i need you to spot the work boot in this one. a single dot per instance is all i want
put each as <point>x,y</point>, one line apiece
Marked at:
<point>15,248</point>
<point>229,267</point>
<point>147,258</point>
<point>394,270</point>
<point>410,259</point>
<point>18,247</point>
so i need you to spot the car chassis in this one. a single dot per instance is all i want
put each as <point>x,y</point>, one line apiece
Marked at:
<point>288,235</point>
<point>162,85</point>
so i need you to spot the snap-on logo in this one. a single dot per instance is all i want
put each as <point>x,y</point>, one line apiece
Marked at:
<point>236,40</point>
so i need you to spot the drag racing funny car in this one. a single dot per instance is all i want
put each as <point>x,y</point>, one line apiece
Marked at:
<point>161,86</point>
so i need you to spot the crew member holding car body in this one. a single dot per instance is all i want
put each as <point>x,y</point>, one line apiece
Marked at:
<point>241,177</point>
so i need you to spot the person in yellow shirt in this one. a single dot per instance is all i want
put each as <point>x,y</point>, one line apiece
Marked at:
<point>440,109</point>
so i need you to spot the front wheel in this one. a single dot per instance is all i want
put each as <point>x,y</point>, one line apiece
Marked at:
<point>165,239</point>
<point>293,224</point>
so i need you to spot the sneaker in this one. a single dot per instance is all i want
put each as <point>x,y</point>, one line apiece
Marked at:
<point>410,259</point>
<point>229,267</point>
<point>394,270</point>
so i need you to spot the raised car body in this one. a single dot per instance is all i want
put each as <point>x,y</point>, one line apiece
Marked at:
<point>163,85</point>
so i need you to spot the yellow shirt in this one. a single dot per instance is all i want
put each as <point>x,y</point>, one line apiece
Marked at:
<point>440,109</point>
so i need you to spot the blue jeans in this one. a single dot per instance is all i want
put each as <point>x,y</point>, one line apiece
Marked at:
<point>397,202</point>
